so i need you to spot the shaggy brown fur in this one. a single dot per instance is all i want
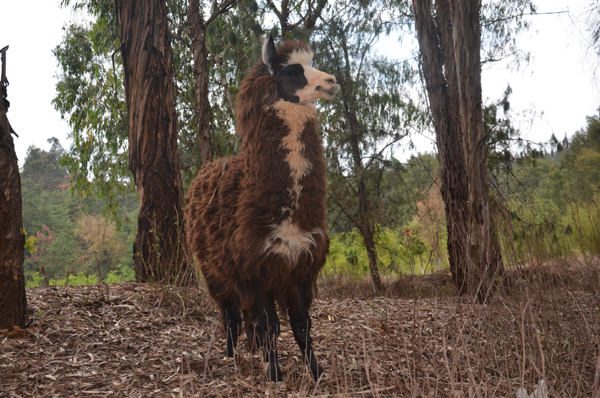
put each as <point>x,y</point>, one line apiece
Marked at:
<point>256,221</point>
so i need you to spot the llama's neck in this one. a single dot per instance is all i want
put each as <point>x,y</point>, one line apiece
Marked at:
<point>299,215</point>
<point>297,118</point>
<point>285,131</point>
<point>285,149</point>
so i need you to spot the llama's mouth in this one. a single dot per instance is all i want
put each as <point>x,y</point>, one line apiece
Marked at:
<point>331,91</point>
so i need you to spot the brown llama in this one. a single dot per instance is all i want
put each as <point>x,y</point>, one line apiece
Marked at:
<point>256,221</point>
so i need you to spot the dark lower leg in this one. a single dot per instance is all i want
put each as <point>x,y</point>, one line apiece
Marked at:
<point>267,331</point>
<point>300,300</point>
<point>231,322</point>
<point>301,330</point>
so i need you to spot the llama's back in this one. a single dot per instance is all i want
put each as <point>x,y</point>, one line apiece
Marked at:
<point>211,204</point>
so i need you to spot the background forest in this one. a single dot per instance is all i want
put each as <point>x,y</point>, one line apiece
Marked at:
<point>468,270</point>
<point>551,196</point>
<point>80,205</point>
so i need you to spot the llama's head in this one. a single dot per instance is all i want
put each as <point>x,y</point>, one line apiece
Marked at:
<point>297,81</point>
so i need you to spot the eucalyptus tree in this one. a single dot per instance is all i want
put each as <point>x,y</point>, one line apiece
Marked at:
<point>450,41</point>
<point>105,153</point>
<point>90,97</point>
<point>198,26</point>
<point>297,18</point>
<point>365,123</point>
<point>593,27</point>
<point>110,143</point>
<point>159,248</point>
<point>13,300</point>
<point>224,44</point>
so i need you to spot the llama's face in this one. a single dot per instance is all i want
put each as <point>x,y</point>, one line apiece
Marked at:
<point>297,81</point>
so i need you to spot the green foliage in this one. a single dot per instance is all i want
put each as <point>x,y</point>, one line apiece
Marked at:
<point>123,273</point>
<point>364,124</point>
<point>53,218</point>
<point>90,93</point>
<point>552,199</point>
<point>30,242</point>
<point>34,280</point>
<point>90,97</point>
<point>501,21</point>
<point>398,252</point>
<point>80,279</point>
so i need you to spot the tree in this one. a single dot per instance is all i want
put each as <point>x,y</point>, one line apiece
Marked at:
<point>593,23</point>
<point>42,169</point>
<point>159,247</point>
<point>90,97</point>
<point>198,26</point>
<point>305,13</point>
<point>43,239</point>
<point>366,120</point>
<point>98,234</point>
<point>450,38</point>
<point>13,300</point>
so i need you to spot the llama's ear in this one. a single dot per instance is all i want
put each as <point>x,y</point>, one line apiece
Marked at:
<point>269,53</point>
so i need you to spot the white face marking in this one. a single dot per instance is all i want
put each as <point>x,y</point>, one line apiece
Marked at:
<point>300,57</point>
<point>315,78</point>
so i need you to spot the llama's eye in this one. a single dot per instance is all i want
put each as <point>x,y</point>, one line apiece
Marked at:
<point>293,73</point>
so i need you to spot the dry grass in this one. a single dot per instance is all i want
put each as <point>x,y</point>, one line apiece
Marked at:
<point>420,340</point>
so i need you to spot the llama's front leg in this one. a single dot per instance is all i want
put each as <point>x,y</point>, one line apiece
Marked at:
<point>267,331</point>
<point>231,321</point>
<point>300,299</point>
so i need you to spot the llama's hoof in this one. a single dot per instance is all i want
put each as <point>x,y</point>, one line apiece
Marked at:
<point>227,355</point>
<point>227,358</point>
<point>279,386</point>
<point>316,371</point>
<point>273,373</point>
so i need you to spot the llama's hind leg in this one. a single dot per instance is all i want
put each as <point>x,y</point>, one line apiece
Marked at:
<point>230,310</point>
<point>299,301</point>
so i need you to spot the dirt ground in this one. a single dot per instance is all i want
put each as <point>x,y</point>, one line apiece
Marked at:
<point>133,340</point>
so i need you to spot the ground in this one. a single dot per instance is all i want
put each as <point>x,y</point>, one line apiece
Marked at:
<point>135,340</point>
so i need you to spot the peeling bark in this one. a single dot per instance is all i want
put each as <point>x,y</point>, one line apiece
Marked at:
<point>13,301</point>
<point>450,48</point>
<point>200,51</point>
<point>159,246</point>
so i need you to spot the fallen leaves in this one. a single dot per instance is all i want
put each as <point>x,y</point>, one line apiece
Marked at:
<point>16,333</point>
<point>134,340</point>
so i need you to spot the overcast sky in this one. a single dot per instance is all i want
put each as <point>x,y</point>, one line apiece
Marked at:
<point>558,84</point>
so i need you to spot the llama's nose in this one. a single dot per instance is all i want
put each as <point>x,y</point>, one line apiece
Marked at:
<point>331,80</point>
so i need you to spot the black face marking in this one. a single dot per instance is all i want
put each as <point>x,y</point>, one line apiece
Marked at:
<point>289,80</point>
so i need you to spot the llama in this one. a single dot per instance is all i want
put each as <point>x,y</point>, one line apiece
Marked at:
<point>256,221</point>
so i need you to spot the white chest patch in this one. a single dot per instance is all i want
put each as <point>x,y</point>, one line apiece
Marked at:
<point>287,239</point>
<point>295,116</point>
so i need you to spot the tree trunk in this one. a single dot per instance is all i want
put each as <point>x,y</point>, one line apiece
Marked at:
<point>198,29</point>
<point>365,220</point>
<point>368,236</point>
<point>13,301</point>
<point>159,247</point>
<point>484,251</point>
<point>450,49</point>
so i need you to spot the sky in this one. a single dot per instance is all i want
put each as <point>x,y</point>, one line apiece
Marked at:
<point>557,86</point>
